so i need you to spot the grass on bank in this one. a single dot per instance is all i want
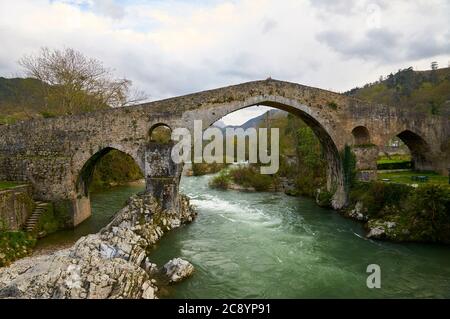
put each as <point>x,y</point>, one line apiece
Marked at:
<point>14,245</point>
<point>405,177</point>
<point>5,185</point>
<point>397,161</point>
<point>394,158</point>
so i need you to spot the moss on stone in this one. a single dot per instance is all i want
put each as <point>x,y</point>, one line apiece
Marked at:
<point>50,221</point>
<point>324,198</point>
<point>6,185</point>
<point>62,212</point>
<point>332,105</point>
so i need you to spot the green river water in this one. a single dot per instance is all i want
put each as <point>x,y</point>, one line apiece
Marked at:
<point>269,245</point>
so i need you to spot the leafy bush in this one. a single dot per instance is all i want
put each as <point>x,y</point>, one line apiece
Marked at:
<point>115,168</point>
<point>249,176</point>
<point>349,165</point>
<point>377,196</point>
<point>306,184</point>
<point>324,198</point>
<point>51,221</point>
<point>421,214</point>
<point>14,245</point>
<point>47,114</point>
<point>246,176</point>
<point>262,182</point>
<point>221,181</point>
<point>429,209</point>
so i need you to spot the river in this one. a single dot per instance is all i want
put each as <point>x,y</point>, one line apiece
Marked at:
<point>269,245</point>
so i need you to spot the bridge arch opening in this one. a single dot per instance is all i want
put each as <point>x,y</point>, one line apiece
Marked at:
<point>319,127</point>
<point>408,145</point>
<point>160,133</point>
<point>419,149</point>
<point>361,136</point>
<point>106,168</point>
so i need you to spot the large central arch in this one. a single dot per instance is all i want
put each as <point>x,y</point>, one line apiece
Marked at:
<point>320,126</point>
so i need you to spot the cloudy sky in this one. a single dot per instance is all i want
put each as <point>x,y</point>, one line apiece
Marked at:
<point>174,47</point>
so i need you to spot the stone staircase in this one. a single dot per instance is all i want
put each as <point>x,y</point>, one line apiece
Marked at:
<point>33,220</point>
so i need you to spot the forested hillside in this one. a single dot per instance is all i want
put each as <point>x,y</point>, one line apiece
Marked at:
<point>20,99</point>
<point>424,91</point>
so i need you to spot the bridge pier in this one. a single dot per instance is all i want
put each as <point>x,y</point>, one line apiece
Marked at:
<point>366,161</point>
<point>162,175</point>
<point>81,209</point>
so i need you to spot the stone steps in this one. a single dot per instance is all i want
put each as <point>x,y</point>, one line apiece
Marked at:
<point>33,220</point>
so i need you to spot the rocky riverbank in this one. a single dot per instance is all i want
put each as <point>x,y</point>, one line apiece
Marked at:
<point>402,213</point>
<point>112,263</point>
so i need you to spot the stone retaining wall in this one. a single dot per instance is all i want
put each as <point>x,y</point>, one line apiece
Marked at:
<point>16,205</point>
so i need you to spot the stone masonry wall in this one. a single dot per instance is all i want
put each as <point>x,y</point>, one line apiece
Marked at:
<point>16,205</point>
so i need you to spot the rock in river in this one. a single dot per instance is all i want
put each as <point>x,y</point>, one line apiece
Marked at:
<point>178,269</point>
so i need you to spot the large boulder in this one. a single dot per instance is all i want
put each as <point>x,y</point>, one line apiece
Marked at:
<point>178,269</point>
<point>358,212</point>
<point>379,229</point>
<point>376,232</point>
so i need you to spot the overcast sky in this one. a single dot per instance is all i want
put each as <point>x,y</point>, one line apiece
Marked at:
<point>174,47</point>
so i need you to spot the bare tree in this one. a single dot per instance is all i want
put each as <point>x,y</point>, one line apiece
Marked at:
<point>73,83</point>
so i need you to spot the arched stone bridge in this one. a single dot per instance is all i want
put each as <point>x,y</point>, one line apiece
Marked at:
<point>57,155</point>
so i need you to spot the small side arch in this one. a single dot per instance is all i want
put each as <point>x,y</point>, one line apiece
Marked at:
<point>361,136</point>
<point>86,173</point>
<point>160,133</point>
<point>420,150</point>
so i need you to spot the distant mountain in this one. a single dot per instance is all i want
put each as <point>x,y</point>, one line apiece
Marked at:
<point>425,91</point>
<point>256,121</point>
<point>219,124</point>
<point>253,122</point>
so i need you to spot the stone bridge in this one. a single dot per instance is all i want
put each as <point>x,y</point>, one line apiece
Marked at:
<point>57,155</point>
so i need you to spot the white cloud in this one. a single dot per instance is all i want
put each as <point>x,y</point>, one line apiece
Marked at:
<point>175,47</point>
